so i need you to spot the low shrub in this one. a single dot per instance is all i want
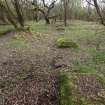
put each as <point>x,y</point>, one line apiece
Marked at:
<point>66,43</point>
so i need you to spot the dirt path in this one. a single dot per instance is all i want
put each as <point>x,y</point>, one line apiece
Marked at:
<point>26,75</point>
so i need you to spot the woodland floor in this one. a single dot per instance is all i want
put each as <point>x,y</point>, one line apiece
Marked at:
<point>33,68</point>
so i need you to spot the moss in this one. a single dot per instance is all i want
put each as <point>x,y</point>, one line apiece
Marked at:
<point>68,92</point>
<point>66,88</point>
<point>66,43</point>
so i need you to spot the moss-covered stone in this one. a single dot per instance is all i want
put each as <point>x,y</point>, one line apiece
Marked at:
<point>66,43</point>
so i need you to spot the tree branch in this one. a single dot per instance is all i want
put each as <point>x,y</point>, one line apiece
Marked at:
<point>90,3</point>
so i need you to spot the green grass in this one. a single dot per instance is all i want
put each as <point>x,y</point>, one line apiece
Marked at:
<point>39,27</point>
<point>66,90</point>
<point>18,44</point>
<point>19,41</point>
<point>90,38</point>
<point>99,57</point>
<point>85,68</point>
<point>5,28</point>
<point>79,29</point>
<point>68,93</point>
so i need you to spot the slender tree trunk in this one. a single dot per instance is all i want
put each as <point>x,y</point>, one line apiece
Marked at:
<point>65,12</point>
<point>47,9</point>
<point>47,20</point>
<point>36,12</point>
<point>89,10</point>
<point>36,16</point>
<point>99,12</point>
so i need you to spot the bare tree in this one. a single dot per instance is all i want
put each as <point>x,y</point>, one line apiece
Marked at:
<point>89,9</point>
<point>45,9</point>
<point>35,3</point>
<point>13,12</point>
<point>65,6</point>
<point>9,14</point>
<point>98,9</point>
<point>18,9</point>
<point>65,12</point>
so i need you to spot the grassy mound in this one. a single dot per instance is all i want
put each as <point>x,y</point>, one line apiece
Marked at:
<point>66,43</point>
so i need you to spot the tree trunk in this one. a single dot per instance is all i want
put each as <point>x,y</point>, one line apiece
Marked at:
<point>65,12</point>
<point>37,11</point>
<point>12,22</point>
<point>89,10</point>
<point>19,13</point>
<point>47,20</point>
<point>99,12</point>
